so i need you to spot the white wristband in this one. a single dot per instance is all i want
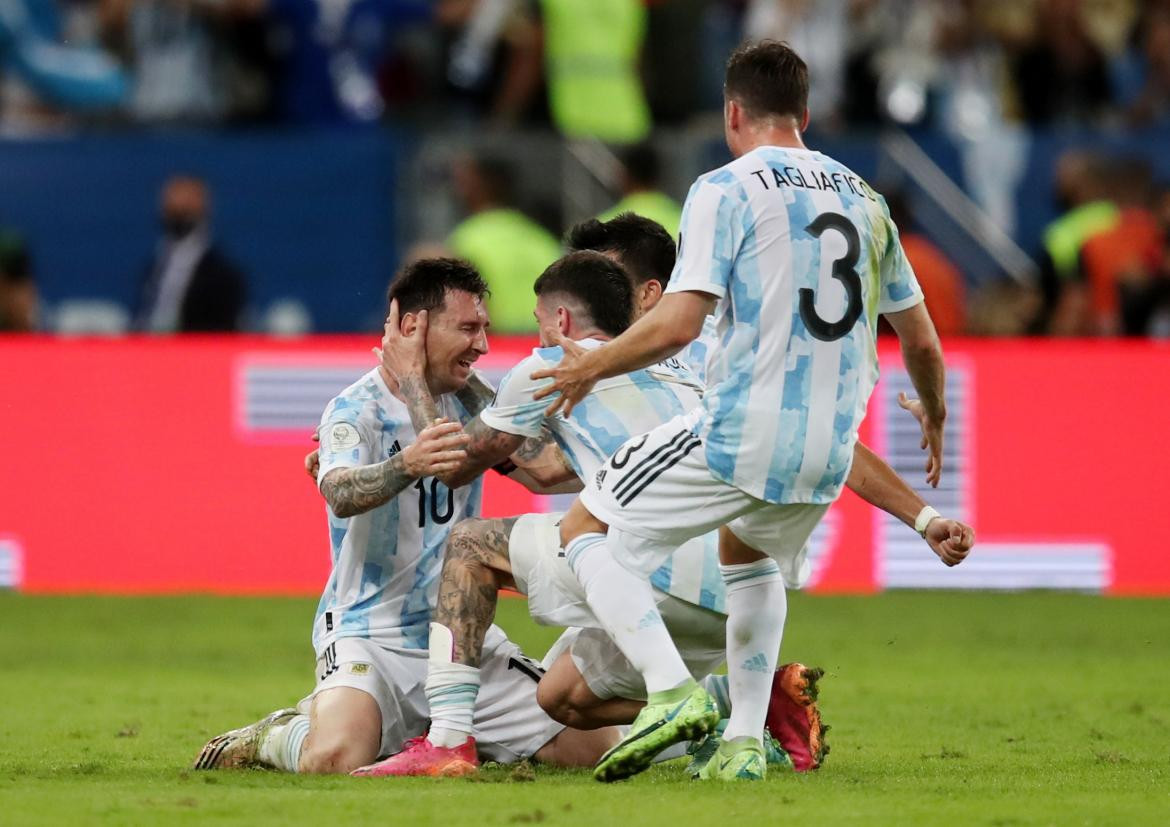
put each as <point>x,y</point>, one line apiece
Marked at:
<point>923,519</point>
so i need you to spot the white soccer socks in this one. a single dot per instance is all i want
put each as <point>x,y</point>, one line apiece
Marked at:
<point>756,608</point>
<point>451,691</point>
<point>280,746</point>
<point>624,604</point>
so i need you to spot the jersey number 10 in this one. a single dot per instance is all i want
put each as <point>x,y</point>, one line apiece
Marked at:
<point>436,517</point>
<point>844,271</point>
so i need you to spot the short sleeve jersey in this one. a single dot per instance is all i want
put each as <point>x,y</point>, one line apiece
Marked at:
<point>616,410</point>
<point>694,355</point>
<point>802,256</point>
<point>386,562</point>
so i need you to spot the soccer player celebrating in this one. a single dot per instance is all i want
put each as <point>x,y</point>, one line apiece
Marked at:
<point>389,516</point>
<point>795,256</point>
<point>587,299</point>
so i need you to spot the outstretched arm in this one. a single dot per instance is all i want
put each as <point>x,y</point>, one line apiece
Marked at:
<point>672,324</point>
<point>872,479</point>
<point>922,355</point>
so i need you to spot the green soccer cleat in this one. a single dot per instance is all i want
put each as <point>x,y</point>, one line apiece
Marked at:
<point>703,751</point>
<point>740,759</point>
<point>681,714</point>
<point>238,748</point>
<point>774,753</point>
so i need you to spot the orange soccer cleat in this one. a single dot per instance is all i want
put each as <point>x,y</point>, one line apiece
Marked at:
<point>420,757</point>
<point>793,717</point>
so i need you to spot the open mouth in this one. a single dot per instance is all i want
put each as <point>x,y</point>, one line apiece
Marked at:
<point>465,364</point>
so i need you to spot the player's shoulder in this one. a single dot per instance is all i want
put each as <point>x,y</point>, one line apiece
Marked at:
<point>365,402</point>
<point>727,178</point>
<point>541,357</point>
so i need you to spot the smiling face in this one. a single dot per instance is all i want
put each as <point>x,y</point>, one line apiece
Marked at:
<point>456,338</point>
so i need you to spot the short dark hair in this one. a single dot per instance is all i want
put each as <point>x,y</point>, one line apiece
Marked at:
<point>645,247</point>
<point>598,283</point>
<point>423,284</point>
<point>767,78</point>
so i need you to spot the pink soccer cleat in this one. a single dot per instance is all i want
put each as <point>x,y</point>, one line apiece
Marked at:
<point>419,757</point>
<point>793,717</point>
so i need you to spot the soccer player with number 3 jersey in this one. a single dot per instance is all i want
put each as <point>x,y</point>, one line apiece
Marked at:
<point>795,257</point>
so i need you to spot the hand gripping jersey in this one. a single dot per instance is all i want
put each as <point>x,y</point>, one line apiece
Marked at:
<point>386,562</point>
<point>615,410</point>
<point>802,257</point>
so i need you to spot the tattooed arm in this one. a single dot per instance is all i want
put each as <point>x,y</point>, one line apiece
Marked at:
<point>476,395</point>
<point>543,463</point>
<point>485,447</point>
<point>352,491</point>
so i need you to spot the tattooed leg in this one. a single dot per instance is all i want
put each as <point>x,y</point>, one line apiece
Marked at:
<point>475,568</point>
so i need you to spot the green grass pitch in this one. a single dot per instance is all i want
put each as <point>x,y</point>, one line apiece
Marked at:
<point>946,709</point>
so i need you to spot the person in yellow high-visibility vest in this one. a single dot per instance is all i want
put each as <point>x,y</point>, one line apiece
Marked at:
<point>640,192</point>
<point>592,48</point>
<point>507,247</point>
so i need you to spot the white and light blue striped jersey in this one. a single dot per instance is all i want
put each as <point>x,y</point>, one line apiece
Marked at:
<point>386,562</point>
<point>694,355</point>
<point>802,256</point>
<point>613,412</point>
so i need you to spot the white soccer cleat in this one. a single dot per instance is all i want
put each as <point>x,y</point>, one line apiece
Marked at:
<point>238,748</point>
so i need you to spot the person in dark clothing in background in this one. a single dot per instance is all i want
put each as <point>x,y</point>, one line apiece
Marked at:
<point>18,288</point>
<point>190,286</point>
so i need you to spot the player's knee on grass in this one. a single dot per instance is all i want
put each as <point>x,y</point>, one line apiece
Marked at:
<point>345,732</point>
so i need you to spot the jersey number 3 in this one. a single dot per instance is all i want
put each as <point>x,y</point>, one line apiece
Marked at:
<point>844,271</point>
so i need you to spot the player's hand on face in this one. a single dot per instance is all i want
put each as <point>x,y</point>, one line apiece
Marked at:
<point>572,378</point>
<point>932,437</point>
<point>951,540</point>
<point>439,449</point>
<point>403,355</point>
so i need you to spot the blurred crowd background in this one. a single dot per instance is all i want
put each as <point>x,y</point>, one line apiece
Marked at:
<point>266,165</point>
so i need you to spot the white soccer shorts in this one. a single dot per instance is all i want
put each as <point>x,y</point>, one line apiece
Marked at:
<point>656,492</point>
<point>509,723</point>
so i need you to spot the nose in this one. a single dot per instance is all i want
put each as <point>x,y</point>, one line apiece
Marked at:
<point>481,343</point>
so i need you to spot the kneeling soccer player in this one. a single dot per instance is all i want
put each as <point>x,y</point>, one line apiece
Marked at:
<point>389,516</point>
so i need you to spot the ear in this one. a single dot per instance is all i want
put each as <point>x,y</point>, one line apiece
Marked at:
<point>734,115</point>
<point>564,320</point>
<point>804,120</point>
<point>408,324</point>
